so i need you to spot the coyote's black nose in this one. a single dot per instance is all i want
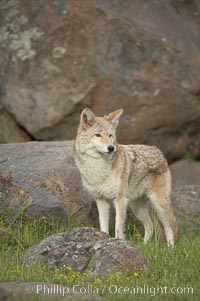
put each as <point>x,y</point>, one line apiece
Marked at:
<point>111,148</point>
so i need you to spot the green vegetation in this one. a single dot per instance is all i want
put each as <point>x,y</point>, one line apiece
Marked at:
<point>190,157</point>
<point>175,269</point>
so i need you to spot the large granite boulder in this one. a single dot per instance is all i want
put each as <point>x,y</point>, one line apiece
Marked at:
<point>58,57</point>
<point>41,179</point>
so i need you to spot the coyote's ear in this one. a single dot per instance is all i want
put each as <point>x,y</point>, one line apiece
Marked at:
<point>87,118</point>
<point>114,117</point>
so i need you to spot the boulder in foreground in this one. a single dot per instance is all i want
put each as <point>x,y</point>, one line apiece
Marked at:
<point>87,250</point>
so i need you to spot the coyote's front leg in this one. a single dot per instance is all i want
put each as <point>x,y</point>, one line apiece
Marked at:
<point>103,208</point>
<point>120,205</point>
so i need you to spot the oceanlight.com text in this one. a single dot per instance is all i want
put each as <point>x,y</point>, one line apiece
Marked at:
<point>149,290</point>
<point>113,289</point>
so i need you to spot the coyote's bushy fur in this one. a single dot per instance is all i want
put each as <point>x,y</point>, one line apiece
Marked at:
<point>123,175</point>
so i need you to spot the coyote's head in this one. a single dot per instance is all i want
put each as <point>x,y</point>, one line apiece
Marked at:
<point>98,133</point>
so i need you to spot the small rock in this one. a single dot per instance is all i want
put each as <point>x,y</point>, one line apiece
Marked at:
<point>5,175</point>
<point>3,232</point>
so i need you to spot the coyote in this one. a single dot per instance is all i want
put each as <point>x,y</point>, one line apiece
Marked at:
<point>123,175</point>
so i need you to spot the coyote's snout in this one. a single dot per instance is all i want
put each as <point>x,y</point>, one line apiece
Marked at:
<point>104,142</point>
<point>122,175</point>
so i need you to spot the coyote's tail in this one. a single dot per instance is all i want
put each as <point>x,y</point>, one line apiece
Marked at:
<point>159,227</point>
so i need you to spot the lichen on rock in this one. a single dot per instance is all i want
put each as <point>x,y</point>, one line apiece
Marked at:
<point>7,4</point>
<point>87,250</point>
<point>17,40</point>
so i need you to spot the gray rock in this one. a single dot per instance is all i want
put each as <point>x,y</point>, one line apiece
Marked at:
<point>44,175</point>
<point>10,131</point>
<point>44,204</point>
<point>114,255</point>
<point>21,199</point>
<point>136,54</point>
<point>87,250</point>
<point>186,201</point>
<point>37,253</point>
<point>5,295</point>
<point>185,173</point>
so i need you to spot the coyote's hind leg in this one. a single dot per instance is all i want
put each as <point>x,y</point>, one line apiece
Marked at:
<point>141,211</point>
<point>161,203</point>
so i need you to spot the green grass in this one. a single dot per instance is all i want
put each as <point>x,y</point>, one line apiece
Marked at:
<point>176,269</point>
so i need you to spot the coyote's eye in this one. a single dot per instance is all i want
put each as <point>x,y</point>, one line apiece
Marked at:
<point>110,135</point>
<point>98,135</point>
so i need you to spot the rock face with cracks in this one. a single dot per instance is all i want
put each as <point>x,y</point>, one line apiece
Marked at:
<point>58,57</point>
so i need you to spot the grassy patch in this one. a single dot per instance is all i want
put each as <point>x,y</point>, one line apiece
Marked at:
<point>173,275</point>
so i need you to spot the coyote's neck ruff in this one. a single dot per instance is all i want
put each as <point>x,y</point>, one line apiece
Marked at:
<point>123,175</point>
